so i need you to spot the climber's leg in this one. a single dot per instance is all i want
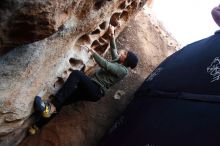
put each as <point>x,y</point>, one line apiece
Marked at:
<point>77,87</point>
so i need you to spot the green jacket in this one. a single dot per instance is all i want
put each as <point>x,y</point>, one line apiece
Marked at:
<point>109,72</point>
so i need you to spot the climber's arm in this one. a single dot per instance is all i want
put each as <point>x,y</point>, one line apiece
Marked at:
<point>108,66</point>
<point>113,47</point>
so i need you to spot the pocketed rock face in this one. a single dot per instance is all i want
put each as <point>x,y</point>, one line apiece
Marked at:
<point>84,123</point>
<point>61,27</point>
<point>27,21</point>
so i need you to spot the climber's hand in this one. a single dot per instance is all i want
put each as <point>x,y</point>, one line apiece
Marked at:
<point>111,31</point>
<point>91,50</point>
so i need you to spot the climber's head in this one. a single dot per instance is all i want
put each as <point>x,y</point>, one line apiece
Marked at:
<point>128,59</point>
<point>216,15</point>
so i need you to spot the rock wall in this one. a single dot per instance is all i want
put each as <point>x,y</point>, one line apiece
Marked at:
<point>26,21</point>
<point>84,123</point>
<point>44,41</point>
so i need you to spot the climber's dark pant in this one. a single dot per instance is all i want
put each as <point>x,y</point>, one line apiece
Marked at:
<point>77,87</point>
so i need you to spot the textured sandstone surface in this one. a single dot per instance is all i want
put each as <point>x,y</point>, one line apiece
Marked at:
<point>84,123</point>
<point>26,21</point>
<point>46,37</point>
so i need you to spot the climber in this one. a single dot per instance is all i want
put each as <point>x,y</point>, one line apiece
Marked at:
<point>81,87</point>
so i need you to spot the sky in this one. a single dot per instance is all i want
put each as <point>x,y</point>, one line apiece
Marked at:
<point>186,20</point>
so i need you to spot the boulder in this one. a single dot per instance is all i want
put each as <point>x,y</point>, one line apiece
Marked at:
<point>47,39</point>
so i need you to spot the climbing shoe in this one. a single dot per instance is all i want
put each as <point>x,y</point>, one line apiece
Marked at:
<point>33,130</point>
<point>43,107</point>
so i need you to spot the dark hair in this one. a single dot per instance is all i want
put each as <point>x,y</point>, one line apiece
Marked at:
<point>131,60</point>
